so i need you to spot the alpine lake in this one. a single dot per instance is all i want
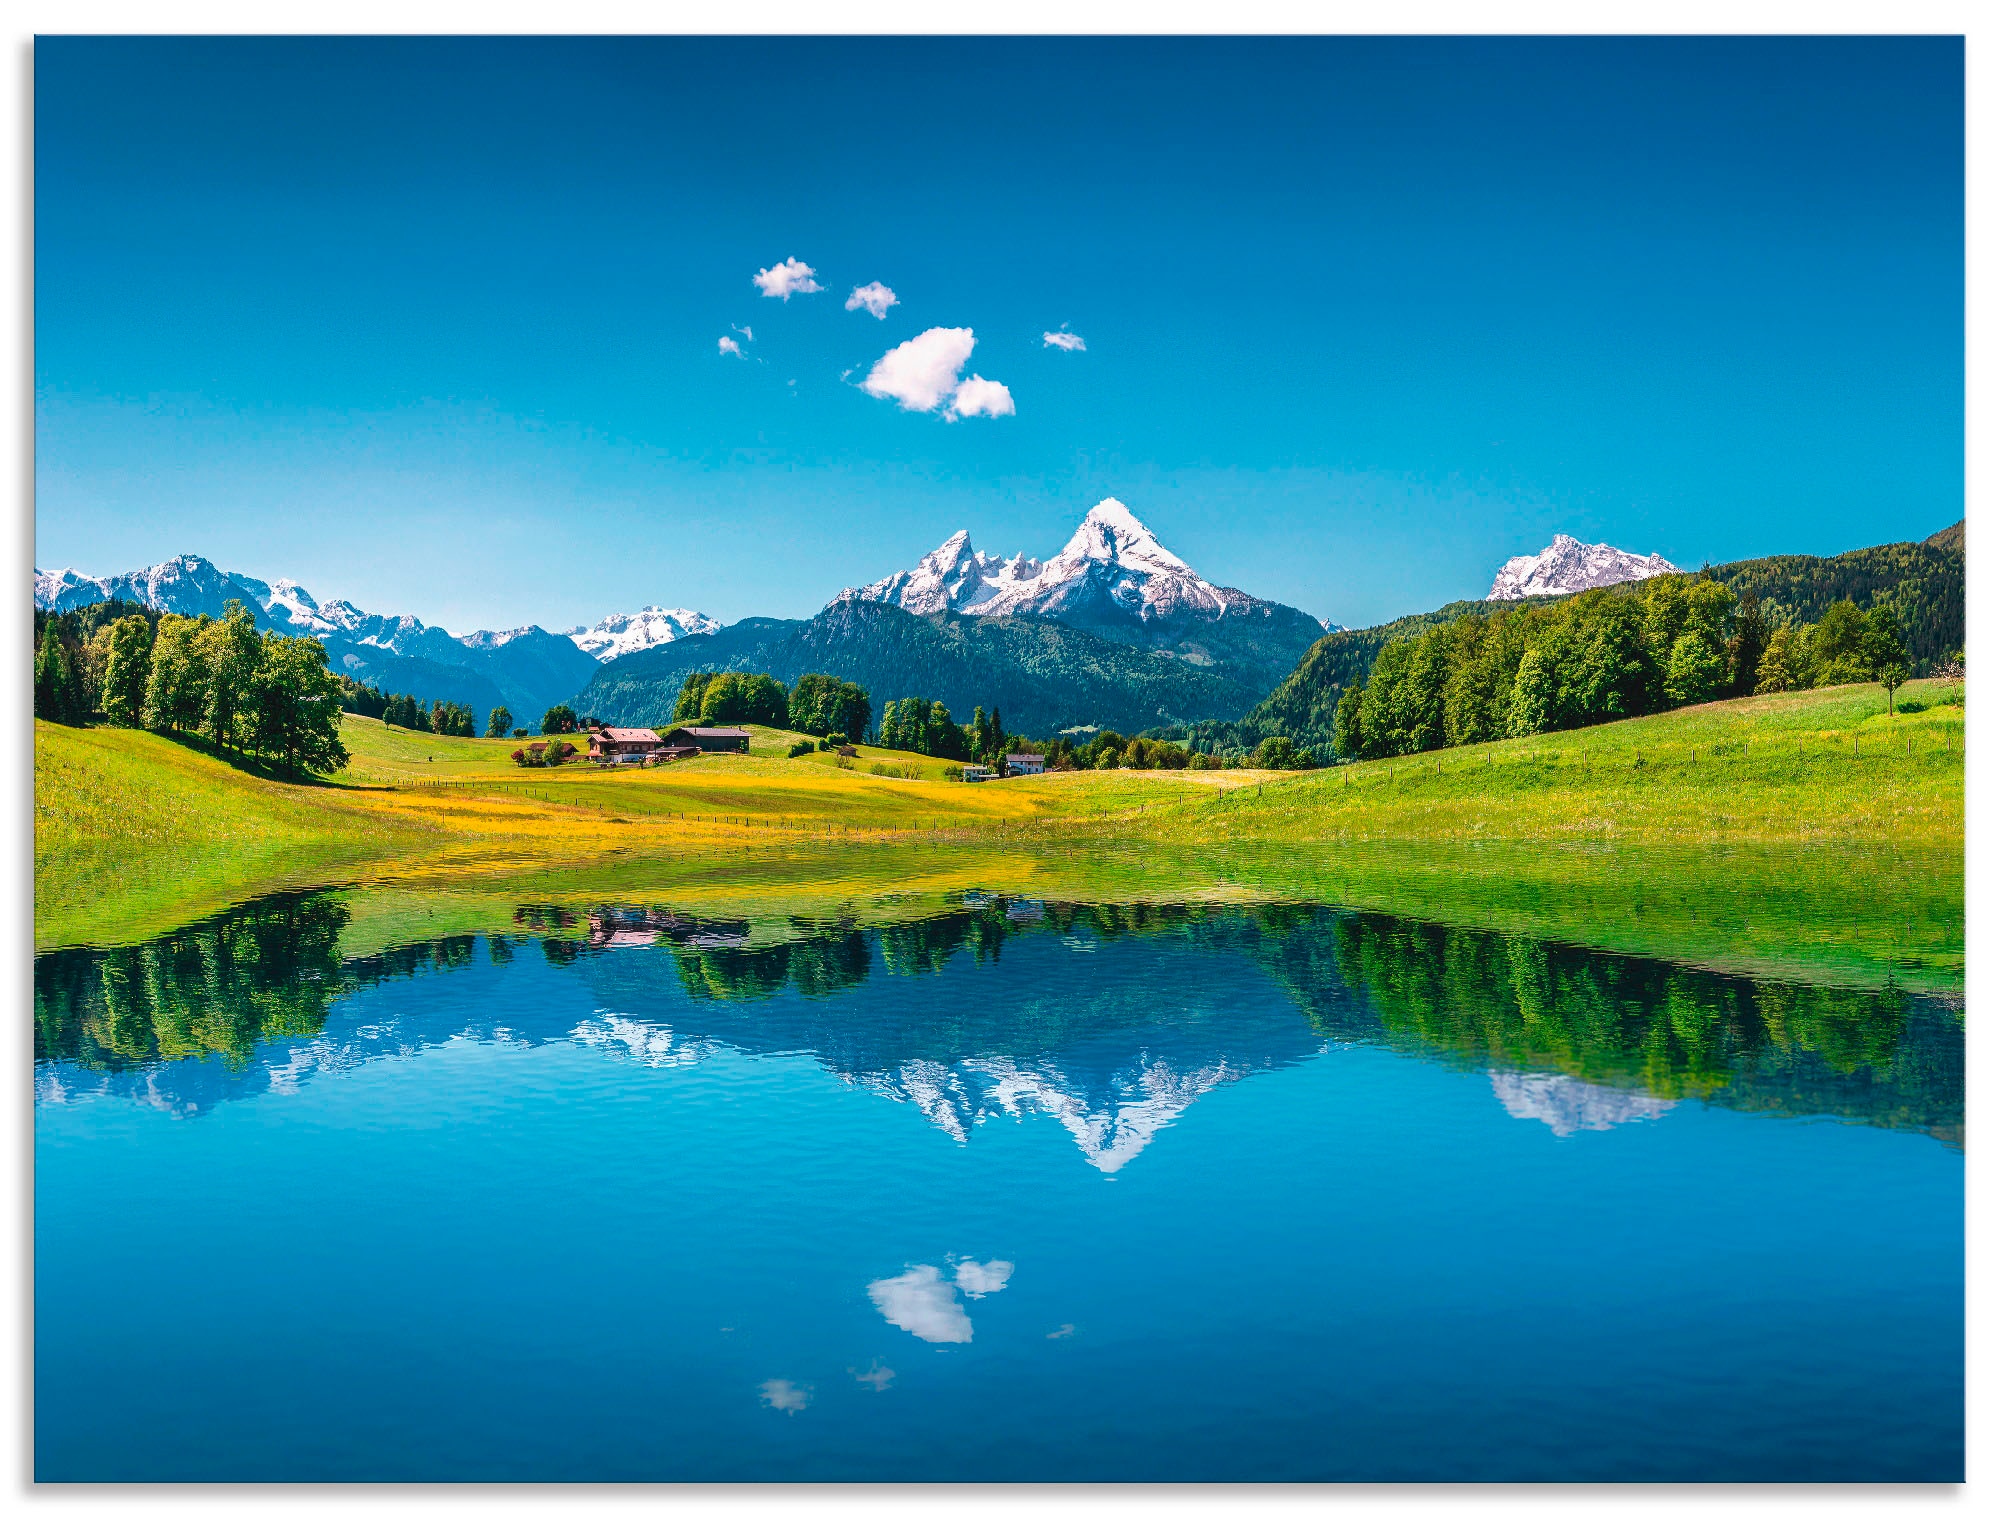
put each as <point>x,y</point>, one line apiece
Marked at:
<point>983,1187</point>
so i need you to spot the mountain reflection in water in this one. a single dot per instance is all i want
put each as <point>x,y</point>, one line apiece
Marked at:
<point>1111,1020</point>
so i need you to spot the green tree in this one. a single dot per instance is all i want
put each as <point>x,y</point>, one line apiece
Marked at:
<point>177,684</point>
<point>58,693</point>
<point>687,706</point>
<point>1747,646</point>
<point>1697,669</point>
<point>232,650</point>
<point>1883,649</point>
<point>93,655</point>
<point>293,714</point>
<point>499,721</point>
<point>731,697</point>
<point>1536,705</point>
<point>1787,661</point>
<point>1840,646</point>
<point>1277,752</point>
<point>821,704</point>
<point>558,719</point>
<point>127,670</point>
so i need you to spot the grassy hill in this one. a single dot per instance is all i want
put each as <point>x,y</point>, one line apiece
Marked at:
<point>1924,581</point>
<point>1808,834</point>
<point>1805,836</point>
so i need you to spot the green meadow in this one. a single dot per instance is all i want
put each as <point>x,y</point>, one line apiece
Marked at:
<point>1811,834</point>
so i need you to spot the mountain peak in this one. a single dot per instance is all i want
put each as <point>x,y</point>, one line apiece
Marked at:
<point>1111,533</point>
<point>1112,563</point>
<point>1568,564</point>
<point>648,627</point>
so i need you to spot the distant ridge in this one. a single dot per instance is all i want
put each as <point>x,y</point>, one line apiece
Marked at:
<point>525,669</point>
<point>1115,580</point>
<point>1924,582</point>
<point>1567,565</point>
<point>1041,674</point>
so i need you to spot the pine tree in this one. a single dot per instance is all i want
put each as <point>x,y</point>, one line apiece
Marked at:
<point>55,681</point>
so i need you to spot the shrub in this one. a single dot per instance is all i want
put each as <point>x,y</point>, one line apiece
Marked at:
<point>519,756</point>
<point>1278,753</point>
<point>803,746</point>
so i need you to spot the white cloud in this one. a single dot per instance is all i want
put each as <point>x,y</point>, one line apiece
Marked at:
<point>783,1396</point>
<point>878,1375</point>
<point>921,1301</point>
<point>873,297</point>
<point>981,397</point>
<point>784,280</point>
<point>1068,341</point>
<point>728,345</point>
<point>920,373</point>
<point>748,335</point>
<point>977,1279</point>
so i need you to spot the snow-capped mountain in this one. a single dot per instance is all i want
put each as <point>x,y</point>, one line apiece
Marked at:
<point>526,669</point>
<point>1567,565</point>
<point>1111,562</point>
<point>1110,1122</point>
<point>648,627</point>
<point>1565,1104</point>
<point>1113,578</point>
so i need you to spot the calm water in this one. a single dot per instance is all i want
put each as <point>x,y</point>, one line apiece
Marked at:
<point>1021,1191</point>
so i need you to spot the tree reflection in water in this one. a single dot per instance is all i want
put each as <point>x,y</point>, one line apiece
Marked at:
<point>1575,1038</point>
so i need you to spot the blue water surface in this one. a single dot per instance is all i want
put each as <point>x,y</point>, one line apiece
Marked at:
<point>1022,1192</point>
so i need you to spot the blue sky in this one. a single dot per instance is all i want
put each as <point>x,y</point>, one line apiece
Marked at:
<point>433,324</point>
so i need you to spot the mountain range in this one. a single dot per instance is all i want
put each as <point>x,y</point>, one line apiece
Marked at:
<point>1115,579</point>
<point>1114,630</point>
<point>1923,581</point>
<point>1567,565</point>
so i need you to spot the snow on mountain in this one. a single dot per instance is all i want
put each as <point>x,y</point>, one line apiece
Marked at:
<point>1565,1104</point>
<point>289,599</point>
<point>648,627</point>
<point>527,668</point>
<point>1110,1126</point>
<point>1112,565</point>
<point>1567,565</point>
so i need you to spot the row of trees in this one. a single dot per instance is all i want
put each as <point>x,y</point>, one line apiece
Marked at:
<point>710,699</point>
<point>259,694</point>
<point>73,653</point>
<point>1111,750</point>
<point>448,718</point>
<point>825,706</point>
<point>1598,657</point>
<point>916,725</point>
<point>1845,647</point>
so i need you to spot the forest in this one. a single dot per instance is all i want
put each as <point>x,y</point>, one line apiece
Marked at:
<point>1601,656</point>
<point>257,695</point>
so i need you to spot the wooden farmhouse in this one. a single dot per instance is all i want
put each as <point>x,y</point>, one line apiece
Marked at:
<point>711,739</point>
<point>624,745</point>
